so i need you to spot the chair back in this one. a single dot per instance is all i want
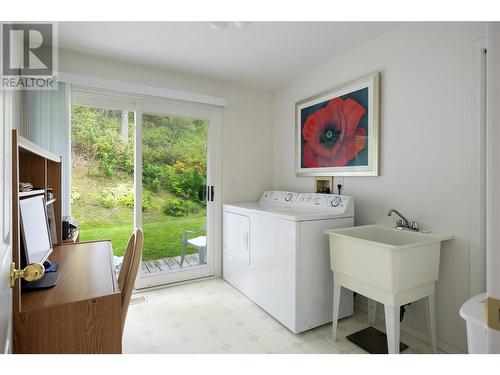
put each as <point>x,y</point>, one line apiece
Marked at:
<point>127,259</point>
<point>129,278</point>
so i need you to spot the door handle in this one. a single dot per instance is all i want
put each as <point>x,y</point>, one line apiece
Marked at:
<point>206,193</point>
<point>31,272</point>
<point>202,193</point>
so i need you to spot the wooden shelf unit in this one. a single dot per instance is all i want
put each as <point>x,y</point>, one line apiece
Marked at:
<point>82,313</point>
<point>33,164</point>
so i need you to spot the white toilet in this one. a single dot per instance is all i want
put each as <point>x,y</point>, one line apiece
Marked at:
<point>477,330</point>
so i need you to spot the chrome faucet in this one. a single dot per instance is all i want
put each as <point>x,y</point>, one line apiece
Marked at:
<point>403,223</point>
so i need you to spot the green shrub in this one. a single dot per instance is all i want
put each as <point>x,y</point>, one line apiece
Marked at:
<point>108,201</point>
<point>75,195</point>
<point>185,178</point>
<point>151,176</point>
<point>96,134</point>
<point>121,194</point>
<point>194,207</point>
<point>176,207</point>
<point>127,200</point>
<point>146,200</point>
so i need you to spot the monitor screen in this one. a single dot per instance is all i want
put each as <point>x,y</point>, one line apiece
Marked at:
<point>35,229</point>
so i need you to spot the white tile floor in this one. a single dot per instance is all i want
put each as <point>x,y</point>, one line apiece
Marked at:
<point>212,317</point>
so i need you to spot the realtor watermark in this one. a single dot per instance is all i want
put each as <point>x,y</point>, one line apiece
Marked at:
<point>29,59</point>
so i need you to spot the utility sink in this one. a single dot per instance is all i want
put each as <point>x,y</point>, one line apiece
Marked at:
<point>390,265</point>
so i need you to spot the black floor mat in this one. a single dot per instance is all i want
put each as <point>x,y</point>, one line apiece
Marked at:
<point>373,341</point>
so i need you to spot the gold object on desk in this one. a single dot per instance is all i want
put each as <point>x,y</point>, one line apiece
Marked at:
<point>31,272</point>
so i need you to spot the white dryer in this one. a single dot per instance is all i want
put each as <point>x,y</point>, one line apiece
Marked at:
<point>276,252</point>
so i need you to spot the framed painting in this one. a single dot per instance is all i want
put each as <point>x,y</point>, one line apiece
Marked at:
<point>338,130</point>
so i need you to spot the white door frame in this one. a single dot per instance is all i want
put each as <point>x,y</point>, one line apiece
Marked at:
<point>214,116</point>
<point>493,174</point>
<point>6,120</point>
<point>477,171</point>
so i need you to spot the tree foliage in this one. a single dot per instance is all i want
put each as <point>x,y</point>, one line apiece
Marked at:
<point>96,137</point>
<point>174,150</point>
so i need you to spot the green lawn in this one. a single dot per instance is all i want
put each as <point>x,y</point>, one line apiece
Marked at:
<point>162,237</point>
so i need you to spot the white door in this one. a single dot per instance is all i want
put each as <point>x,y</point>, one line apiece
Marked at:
<point>237,236</point>
<point>177,157</point>
<point>493,177</point>
<point>236,252</point>
<point>5,222</point>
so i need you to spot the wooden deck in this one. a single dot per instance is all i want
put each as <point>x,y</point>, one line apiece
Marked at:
<point>163,265</point>
<point>169,264</point>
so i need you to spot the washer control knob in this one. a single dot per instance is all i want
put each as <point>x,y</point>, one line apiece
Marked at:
<point>288,197</point>
<point>335,201</point>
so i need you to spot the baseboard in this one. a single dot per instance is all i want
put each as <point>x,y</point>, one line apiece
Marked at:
<point>447,348</point>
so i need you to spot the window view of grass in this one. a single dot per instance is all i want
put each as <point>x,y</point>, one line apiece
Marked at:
<point>174,170</point>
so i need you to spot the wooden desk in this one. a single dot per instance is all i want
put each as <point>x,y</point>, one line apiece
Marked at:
<point>82,313</point>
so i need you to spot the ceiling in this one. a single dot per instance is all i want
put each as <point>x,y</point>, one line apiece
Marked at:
<point>264,55</point>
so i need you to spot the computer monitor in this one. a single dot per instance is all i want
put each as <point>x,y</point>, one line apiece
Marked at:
<point>35,230</point>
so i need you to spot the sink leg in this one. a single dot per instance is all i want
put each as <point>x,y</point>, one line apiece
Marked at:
<point>372,311</point>
<point>431,321</point>
<point>336,303</point>
<point>392,328</point>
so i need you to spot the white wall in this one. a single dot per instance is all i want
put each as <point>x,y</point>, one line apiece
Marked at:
<point>246,121</point>
<point>425,119</point>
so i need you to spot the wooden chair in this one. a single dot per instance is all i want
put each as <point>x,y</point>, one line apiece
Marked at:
<point>130,267</point>
<point>127,258</point>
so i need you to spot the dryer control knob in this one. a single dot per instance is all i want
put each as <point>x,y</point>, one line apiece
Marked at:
<point>335,201</point>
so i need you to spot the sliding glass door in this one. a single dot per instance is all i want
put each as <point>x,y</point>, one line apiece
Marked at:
<point>174,210</point>
<point>151,164</point>
<point>178,168</point>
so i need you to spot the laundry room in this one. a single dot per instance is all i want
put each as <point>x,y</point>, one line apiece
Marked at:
<point>175,193</point>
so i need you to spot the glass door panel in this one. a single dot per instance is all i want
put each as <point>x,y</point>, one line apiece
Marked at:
<point>174,208</point>
<point>102,175</point>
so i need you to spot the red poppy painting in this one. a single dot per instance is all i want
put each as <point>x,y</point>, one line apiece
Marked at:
<point>335,132</point>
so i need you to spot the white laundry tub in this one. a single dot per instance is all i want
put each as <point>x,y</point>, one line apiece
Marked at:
<point>477,330</point>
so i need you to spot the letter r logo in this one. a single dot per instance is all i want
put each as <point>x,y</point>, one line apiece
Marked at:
<point>27,49</point>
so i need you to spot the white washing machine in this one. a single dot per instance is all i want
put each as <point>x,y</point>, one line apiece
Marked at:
<point>276,253</point>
